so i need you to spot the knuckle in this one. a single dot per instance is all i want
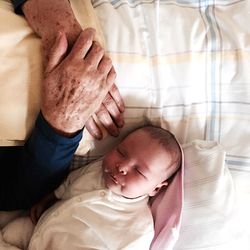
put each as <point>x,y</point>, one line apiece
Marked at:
<point>97,47</point>
<point>87,41</point>
<point>110,81</point>
<point>112,74</point>
<point>115,92</point>
<point>88,33</point>
<point>108,61</point>
<point>108,100</point>
<point>91,126</point>
<point>102,111</point>
<point>114,89</point>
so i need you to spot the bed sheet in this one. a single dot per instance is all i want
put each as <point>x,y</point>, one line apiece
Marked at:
<point>188,64</point>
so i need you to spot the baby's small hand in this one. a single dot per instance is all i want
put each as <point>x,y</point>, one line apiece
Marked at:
<point>37,210</point>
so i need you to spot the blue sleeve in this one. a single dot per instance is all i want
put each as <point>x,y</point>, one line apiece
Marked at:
<point>29,172</point>
<point>17,4</point>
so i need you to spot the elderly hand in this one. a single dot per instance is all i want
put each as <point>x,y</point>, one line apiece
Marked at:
<point>47,17</point>
<point>75,86</point>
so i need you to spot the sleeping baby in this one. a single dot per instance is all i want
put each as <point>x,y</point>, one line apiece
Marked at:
<point>104,205</point>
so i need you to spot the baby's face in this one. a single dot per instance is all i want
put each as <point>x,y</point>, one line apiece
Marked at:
<point>136,167</point>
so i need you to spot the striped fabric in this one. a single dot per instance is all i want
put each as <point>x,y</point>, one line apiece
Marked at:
<point>184,65</point>
<point>211,215</point>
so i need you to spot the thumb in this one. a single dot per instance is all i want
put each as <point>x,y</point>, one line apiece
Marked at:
<point>57,52</point>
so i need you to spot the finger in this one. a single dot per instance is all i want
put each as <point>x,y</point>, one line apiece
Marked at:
<point>82,44</point>
<point>115,93</point>
<point>113,110</point>
<point>106,120</point>
<point>94,55</point>
<point>105,65</point>
<point>57,51</point>
<point>93,128</point>
<point>111,77</point>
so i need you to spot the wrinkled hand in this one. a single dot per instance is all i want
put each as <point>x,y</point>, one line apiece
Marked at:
<point>75,86</point>
<point>46,18</point>
<point>110,112</point>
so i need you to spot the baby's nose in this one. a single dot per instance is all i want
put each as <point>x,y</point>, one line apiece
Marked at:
<point>121,169</point>
<point>123,172</point>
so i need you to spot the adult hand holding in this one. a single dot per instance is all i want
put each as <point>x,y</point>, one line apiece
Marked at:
<point>75,85</point>
<point>47,17</point>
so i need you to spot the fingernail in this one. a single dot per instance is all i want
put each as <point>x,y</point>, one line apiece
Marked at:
<point>122,108</point>
<point>115,133</point>
<point>120,124</point>
<point>98,136</point>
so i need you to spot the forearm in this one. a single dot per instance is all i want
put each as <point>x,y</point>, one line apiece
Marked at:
<point>47,17</point>
<point>47,156</point>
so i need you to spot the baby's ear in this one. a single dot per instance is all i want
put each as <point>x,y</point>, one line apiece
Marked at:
<point>158,188</point>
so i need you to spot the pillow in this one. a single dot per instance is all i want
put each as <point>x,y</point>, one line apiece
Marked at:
<point>184,65</point>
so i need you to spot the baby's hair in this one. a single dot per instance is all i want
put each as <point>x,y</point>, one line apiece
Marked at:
<point>169,142</point>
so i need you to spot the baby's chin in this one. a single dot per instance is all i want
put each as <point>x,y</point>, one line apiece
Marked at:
<point>116,189</point>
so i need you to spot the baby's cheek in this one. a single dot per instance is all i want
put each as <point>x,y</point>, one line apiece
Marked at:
<point>109,157</point>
